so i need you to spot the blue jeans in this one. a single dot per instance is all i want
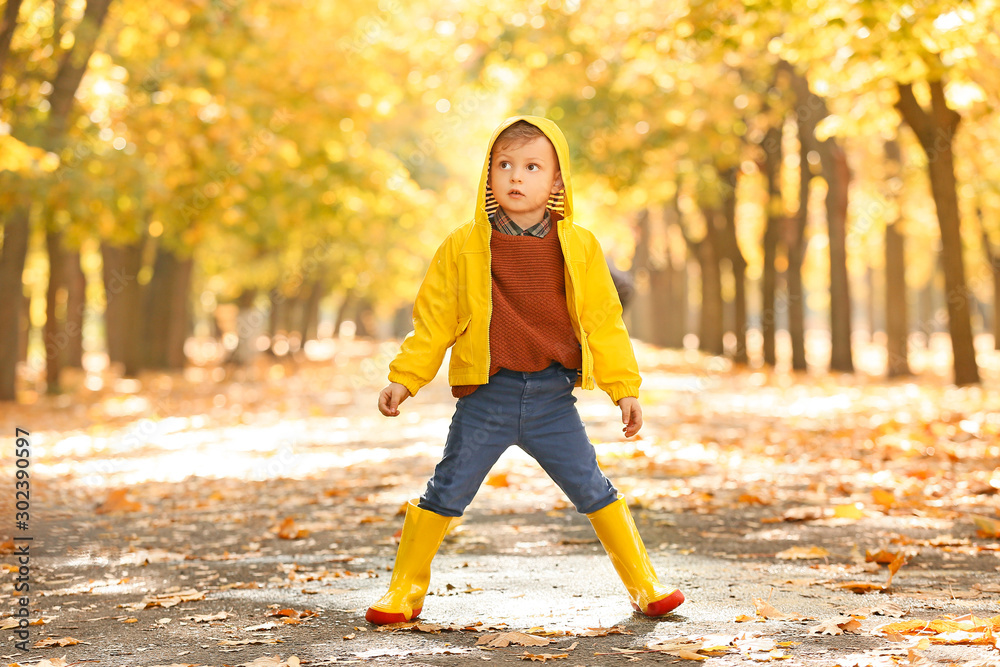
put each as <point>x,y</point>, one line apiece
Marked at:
<point>535,411</point>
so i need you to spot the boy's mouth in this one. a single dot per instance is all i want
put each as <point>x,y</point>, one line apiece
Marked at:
<point>515,193</point>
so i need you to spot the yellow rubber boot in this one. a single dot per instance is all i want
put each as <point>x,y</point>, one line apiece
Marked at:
<point>616,530</point>
<point>422,533</point>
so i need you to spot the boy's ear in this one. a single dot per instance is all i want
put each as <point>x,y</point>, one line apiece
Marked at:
<point>557,185</point>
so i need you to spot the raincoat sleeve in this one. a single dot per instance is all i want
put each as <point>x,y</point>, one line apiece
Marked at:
<point>615,368</point>
<point>435,317</point>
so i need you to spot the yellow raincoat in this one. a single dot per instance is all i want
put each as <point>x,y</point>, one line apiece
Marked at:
<point>455,300</point>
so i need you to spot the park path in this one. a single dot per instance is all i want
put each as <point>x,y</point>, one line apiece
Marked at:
<point>184,521</point>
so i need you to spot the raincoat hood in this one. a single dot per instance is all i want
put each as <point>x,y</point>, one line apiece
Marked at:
<point>561,202</point>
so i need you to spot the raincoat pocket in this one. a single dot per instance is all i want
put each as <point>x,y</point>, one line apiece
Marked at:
<point>461,354</point>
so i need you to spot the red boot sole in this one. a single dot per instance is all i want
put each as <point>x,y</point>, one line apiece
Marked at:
<point>385,618</point>
<point>662,606</point>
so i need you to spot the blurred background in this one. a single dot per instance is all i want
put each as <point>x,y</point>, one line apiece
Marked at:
<point>233,188</point>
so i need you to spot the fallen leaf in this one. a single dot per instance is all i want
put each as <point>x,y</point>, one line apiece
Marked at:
<point>166,599</point>
<point>748,645</point>
<point>603,632</point>
<point>272,661</point>
<point>117,502</point>
<point>884,498</point>
<point>206,618</point>
<point>802,553</point>
<point>764,609</point>
<point>986,527</point>
<point>879,610</point>
<point>849,511</point>
<point>497,480</point>
<point>916,659</point>
<point>288,531</point>
<point>882,557</point>
<point>860,586</point>
<point>248,642</point>
<point>270,625</point>
<point>350,636</point>
<point>501,639</point>
<point>543,657</point>
<point>53,641</point>
<point>12,622</point>
<point>894,566</point>
<point>836,626</point>
<point>743,618</point>
<point>693,647</point>
<point>802,514</point>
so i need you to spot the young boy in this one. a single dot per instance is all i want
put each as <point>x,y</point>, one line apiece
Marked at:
<point>527,300</point>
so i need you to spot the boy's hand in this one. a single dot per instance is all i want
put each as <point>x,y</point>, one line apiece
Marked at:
<point>631,415</point>
<point>390,398</point>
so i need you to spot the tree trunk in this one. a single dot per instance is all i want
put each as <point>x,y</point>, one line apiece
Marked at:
<point>993,259</point>
<point>838,176</point>
<point>896,311</point>
<point>123,314</point>
<point>346,310</point>
<point>165,312</point>
<point>64,86</point>
<point>796,254</point>
<point>25,329</point>
<point>249,325</point>
<point>710,317</point>
<point>8,23</point>
<point>775,210</point>
<point>677,300</point>
<point>15,249</point>
<point>731,249</point>
<point>996,304</point>
<point>936,130</point>
<point>310,311</point>
<point>76,306</point>
<point>53,332</point>
<point>661,315</point>
<point>897,322</point>
<point>641,312</point>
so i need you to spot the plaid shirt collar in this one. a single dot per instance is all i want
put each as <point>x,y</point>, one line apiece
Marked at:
<point>502,223</point>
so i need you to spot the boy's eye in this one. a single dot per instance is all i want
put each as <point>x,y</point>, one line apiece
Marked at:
<point>533,167</point>
<point>504,164</point>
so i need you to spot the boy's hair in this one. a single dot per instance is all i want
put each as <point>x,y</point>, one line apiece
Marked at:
<point>519,133</point>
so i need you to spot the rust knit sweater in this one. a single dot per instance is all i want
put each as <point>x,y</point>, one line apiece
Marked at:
<point>530,327</point>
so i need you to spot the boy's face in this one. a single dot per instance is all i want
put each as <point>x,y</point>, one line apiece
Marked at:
<point>522,176</point>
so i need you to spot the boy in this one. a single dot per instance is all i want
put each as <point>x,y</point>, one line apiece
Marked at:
<point>526,298</point>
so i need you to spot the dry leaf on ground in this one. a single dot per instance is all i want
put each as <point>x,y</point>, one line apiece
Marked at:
<point>272,661</point>
<point>764,609</point>
<point>117,502</point>
<point>49,642</point>
<point>207,618</point>
<point>603,632</point>
<point>543,657</point>
<point>166,599</point>
<point>986,527</point>
<point>859,586</point>
<point>501,639</point>
<point>894,566</point>
<point>836,626</point>
<point>883,557</point>
<point>288,531</point>
<point>885,609</point>
<point>802,553</point>
<point>248,642</point>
